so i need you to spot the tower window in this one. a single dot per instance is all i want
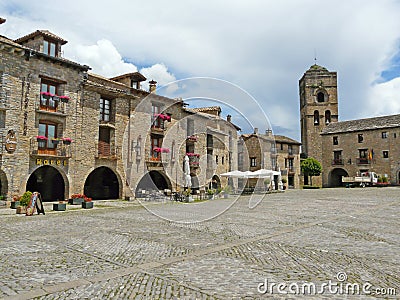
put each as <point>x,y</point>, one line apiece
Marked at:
<point>335,140</point>
<point>385,154</point>
<point>321,97</point>
<point>316,118</point>
<point>385,134</point>
<point>327,116</point>
<point>360,138</point>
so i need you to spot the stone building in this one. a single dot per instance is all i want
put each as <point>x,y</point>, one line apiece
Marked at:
<point>365,145</point>
<point>344,148</point>
<point>272,152</point>
<point>65,130</point>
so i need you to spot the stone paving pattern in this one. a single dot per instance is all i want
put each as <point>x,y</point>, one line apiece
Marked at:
<point>119,250</point>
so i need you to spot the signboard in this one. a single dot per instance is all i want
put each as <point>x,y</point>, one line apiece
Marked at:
<point>11,141</point>
<point>35,204</point>
<point>56,162</point>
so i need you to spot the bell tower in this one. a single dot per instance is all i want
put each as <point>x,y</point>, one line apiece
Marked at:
<point>318,107</point>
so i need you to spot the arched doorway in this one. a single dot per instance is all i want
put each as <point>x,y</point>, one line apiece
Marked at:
<point>215,182</point>
<point>3,184</point>
<point>49,182</point>
<point>335,177</point>
<point>102,183</point>
<point>153,180</point>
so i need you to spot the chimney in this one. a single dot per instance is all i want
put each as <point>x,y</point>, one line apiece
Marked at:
<point>255,130</point>
<point>268,132</point>
<point>229,118</point>
<point>152,86</point>
<point>2,20</point>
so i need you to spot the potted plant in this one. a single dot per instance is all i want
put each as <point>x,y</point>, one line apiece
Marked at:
<point>23,202</point>
<point>188,195</point>
<point>284,181</point>
<point>76,199</point>
<point>55,141</point>
<point>210,193</point>
<point>67,140</point>
<point>15,201</point>
<point>41,139</point>
<point>87,203</point>
<point>64,99</point>
<point>60,206</point>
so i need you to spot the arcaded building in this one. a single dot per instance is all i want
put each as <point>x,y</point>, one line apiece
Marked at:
<point>65,130</point>
<point>344,148</point>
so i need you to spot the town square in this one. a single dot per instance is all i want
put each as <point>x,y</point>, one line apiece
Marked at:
<point>120,250</point>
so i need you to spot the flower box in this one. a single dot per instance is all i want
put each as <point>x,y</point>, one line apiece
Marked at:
<point>41,138</point>
<point>64,99</point>
<point>59,206</point>
<point>87,205</point>
<point>75,201</point>
<point>162,150</point>
<point>55,141</point>
<point>14,204</point>
<point>67,141</point>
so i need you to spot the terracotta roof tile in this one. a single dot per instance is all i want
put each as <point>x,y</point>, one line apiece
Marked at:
<point>44,33</point>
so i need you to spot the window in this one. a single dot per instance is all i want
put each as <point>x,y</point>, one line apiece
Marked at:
<point>281,146</point>
<point>316,117</point>
<point>291,164</point>
<point>105,109</point>
<point>321,97</point>
<point>190,127</point>
<point>384,135</point>
<point>46,101</point>
<point>385,154</point>
<point>327,117</point>
<point>253,162</point>
<point>50,48</point>
<point>240,158</point>
<point>48,130</point>
<point>395,135</point>
<point>363,153</point>
<point>155,143</point>
<point>360,138</point>
<point>2,118</point>
<point>222,160</point>
<point>337,158</point>
<point>155,111</point>
<point>335,140</point>
<point>216,159</point>
<point>273,163</point>
<point>290,149</point>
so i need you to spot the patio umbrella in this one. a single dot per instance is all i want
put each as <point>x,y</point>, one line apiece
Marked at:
<point>186,170</point>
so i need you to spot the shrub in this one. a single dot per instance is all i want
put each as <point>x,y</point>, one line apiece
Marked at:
<point>26,197</point>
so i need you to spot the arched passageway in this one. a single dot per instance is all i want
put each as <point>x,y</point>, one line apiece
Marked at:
<point>102,183</point>
<point>49,182</point>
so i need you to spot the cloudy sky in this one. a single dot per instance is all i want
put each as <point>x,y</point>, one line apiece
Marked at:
<point>263,47</point>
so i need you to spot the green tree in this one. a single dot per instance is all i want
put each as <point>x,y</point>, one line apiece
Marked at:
<point>311,167</point>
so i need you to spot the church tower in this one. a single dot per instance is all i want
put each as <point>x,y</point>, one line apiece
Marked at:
<point>318,107</point>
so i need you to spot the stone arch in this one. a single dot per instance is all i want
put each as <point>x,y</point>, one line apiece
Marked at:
<point>50,182</point>
<point>3,184</point>
<point>215,182</point>
<point>154,180</point>
<point>335,177</point>
<point>103,183</point>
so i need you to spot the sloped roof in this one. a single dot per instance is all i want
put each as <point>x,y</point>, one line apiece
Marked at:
<point>135,76</point>
<point>363,124</point>
<point>285,139</point>
<point>44,33</point>
<point>209,108</point>
<point>316,67</point>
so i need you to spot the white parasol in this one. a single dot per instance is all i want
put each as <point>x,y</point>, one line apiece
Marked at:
<point>186,170</point>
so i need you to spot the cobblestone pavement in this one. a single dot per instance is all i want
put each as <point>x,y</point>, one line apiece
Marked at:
<point>120,250</point>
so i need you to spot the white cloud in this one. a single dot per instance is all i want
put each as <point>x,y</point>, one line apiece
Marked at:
<point>384,98</point>
<point>103,58</point>
<point>159,73</point>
